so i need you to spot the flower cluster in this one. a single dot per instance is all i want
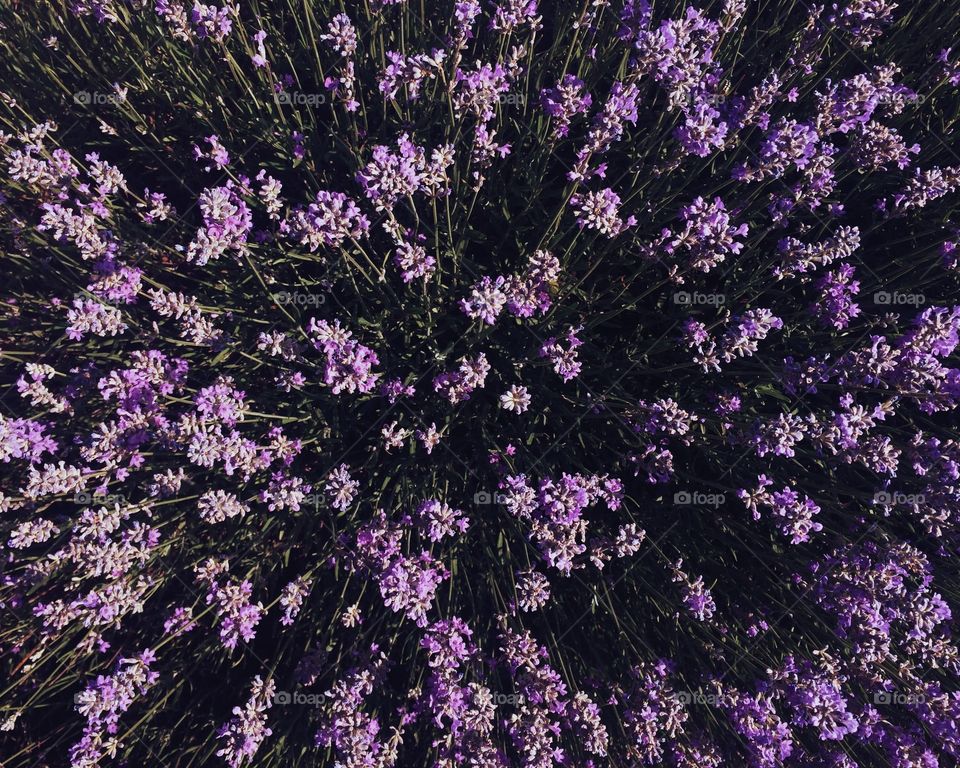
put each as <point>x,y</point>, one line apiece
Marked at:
<point>487,384</point>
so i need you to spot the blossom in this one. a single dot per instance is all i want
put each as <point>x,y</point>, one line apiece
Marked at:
<point>259,59</point>
<point>342,35</point>
<point>103,701</point>
<point>211,21</point>
<point>429,437</point>
<point>227,221</point>
<point>394,435</point>
<point>391,175</point>
<point>439,520</point>
<point>242,736</point>
<point>515,399</point>
<point>408,585</point>
<point>349,363</point>
<point>227,382</point>
<point>328,221</point>
<point>457,386</point>
<point>618,111</point>
<point>292,599</point>
<point>534,590</point>
<point>92,317</point>
<point>565,361</point>
<point>414,261</point>
<point>707,237</point>
<point>601,211</point>
<point>217,154</point>
<point>217,506</point>
<point>486,301</point>
<point>341,488</point>
<point>836,306</point>
<point>564,102</point>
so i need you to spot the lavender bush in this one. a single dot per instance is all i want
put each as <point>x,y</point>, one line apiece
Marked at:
<point>441,384</point>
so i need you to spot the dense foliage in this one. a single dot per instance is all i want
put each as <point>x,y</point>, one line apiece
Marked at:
<point>426,383</point>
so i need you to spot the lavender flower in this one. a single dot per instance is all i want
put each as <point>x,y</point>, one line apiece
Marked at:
<point>328,221</point>
<point>601,211</point>
<point>438,520</point>
<point>243,734</point>
<point>515,399</point>
<point>564,102</point>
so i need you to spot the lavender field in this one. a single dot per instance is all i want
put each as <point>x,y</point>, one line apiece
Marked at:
<point>479,383</point>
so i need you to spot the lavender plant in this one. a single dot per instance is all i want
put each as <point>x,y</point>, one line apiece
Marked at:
<point>408,383</point>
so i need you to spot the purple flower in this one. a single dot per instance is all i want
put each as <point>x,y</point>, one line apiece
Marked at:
<point>243,735</point>
<point>457,386</point>
<point>213,22</point>
<point>292,599</point>
<point>515,399</point>
<point>217,154</point>
<point>608,127</point>
<point>349,363</point>
<point>564,360</point>
<point>438,520</point>
<point>835,306</point>
<point>702,131</point>
<point>102,703</point>
<point>341,488</point>
<point>328,221</point>
<point>409,584</point>
<point>601,211</point>
<point>486,300</point>
<point>564,102</point>
<point>708,236</point>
